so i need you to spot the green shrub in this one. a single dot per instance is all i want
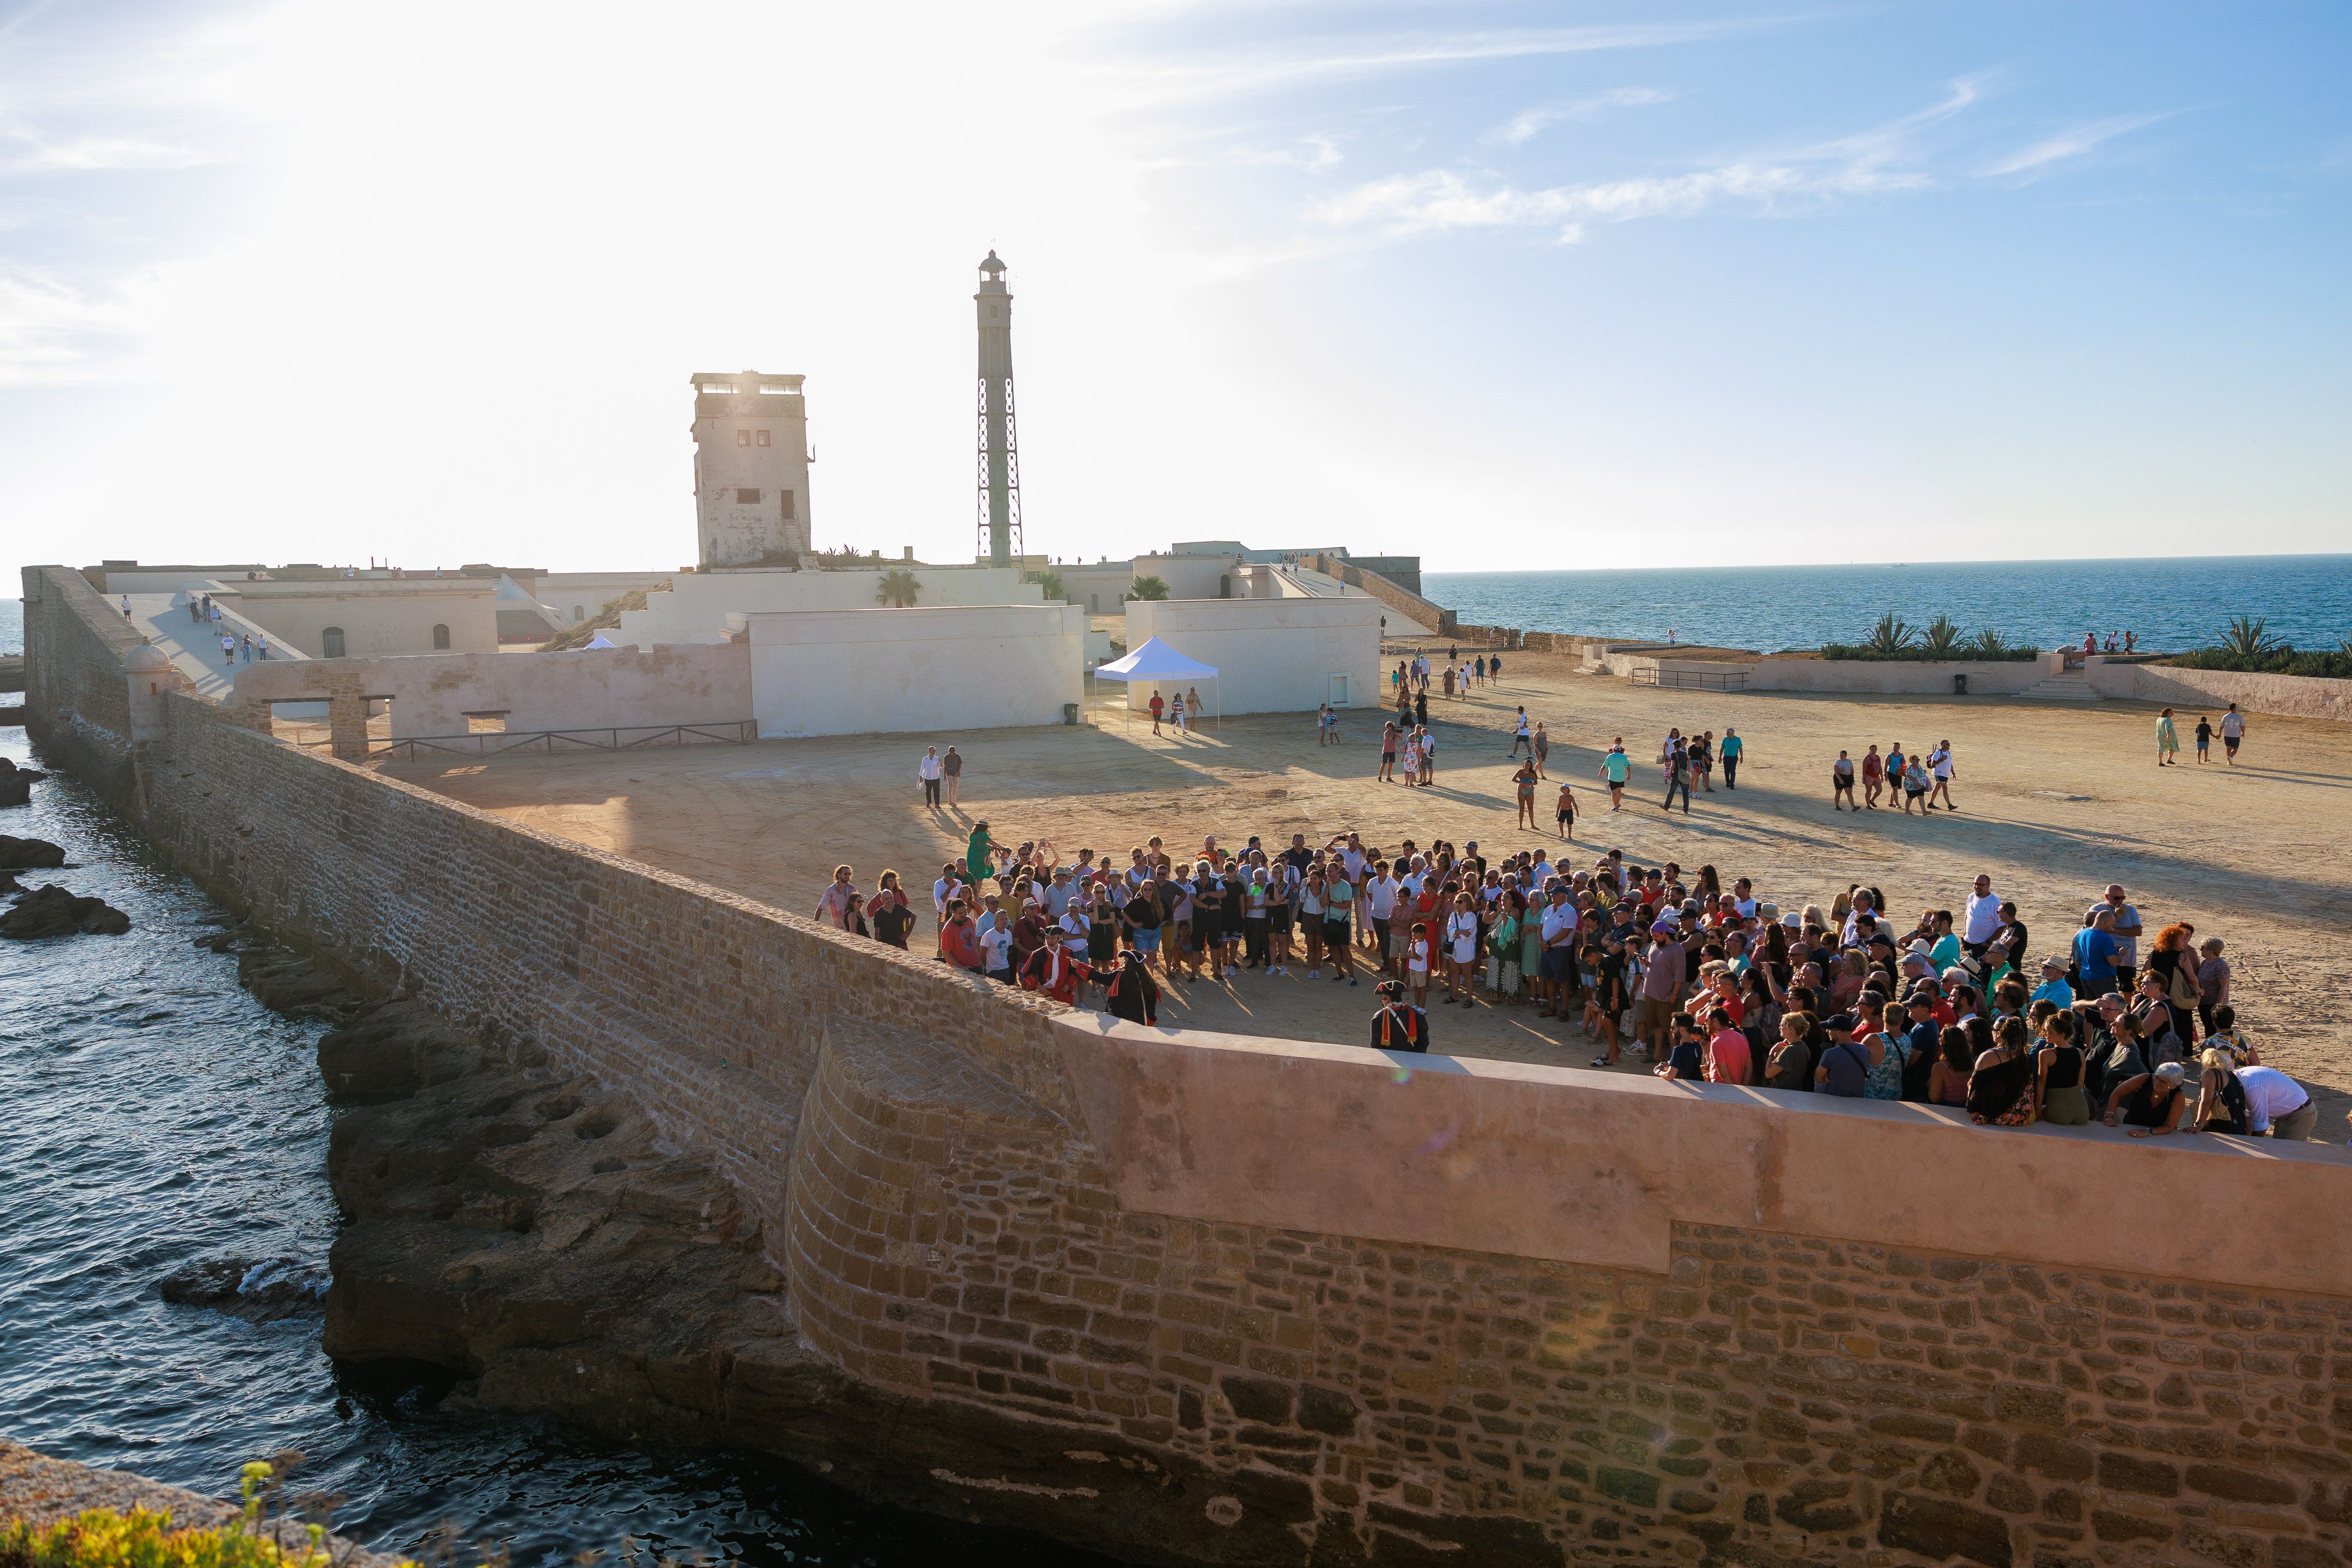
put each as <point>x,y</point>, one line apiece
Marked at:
<point>102,1538</point>
<point>2276,659</point>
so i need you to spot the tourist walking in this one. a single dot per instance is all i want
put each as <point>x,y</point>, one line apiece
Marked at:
<point>2233,730</point>
<point>1521,735</point>
<point>929,770</point>
<point>1541,746</point>
<point>1615,769</point>
<point>1564,813</point>
<point>1525,780</point>
<point>1874,778</point>
<point>1677,776</point>
<point>1159,709</point>
<point>1841,783</point>
<point>2167,741</point>
<point>951,772</point>
<point>2204,740</point>
<point>834,906</point>
<point>1939,763</point>
<point>1731,750</point>
<point>1386,773</point>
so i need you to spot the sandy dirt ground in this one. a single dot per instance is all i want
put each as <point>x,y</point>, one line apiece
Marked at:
<point>2056,801</point>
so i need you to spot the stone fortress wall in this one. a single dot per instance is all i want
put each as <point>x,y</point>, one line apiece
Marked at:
<point>1376,1311</point>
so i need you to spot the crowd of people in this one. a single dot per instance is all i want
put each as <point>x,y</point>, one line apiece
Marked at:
<point>1698,980</point>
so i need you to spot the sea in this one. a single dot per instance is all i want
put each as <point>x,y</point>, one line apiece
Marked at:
<point>2169,603</point>
<point>153,1115</point>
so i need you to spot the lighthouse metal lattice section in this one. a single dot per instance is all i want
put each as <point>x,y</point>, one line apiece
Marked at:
<point>1000,455</point>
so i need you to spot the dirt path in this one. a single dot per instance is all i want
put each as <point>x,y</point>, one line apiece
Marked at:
<point>2056,802</point>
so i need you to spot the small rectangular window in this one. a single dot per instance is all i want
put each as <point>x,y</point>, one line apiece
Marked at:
<point>742,438</point>
<point>788,503</point>
<point>747,498</point>
<point>762,439</point>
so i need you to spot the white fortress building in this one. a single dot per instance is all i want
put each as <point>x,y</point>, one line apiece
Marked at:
<point>751,468</point>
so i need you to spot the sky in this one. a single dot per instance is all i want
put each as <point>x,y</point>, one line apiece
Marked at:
<point>1505,287</point>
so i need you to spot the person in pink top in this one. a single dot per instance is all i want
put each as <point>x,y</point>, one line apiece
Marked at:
<point>832,907</point>
<point>1727,1056</point>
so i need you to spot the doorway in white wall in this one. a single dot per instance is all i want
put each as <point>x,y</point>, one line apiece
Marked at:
<point>1338,697</point>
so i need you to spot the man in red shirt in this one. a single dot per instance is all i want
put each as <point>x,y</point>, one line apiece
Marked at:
<point>1157,707</point>
<point>959,942</point>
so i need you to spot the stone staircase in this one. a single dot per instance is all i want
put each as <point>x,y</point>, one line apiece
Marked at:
<point>2072,686</point>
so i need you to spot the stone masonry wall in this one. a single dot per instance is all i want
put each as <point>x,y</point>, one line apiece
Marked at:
<point>942,1206</point>
<point>1770,1398</point>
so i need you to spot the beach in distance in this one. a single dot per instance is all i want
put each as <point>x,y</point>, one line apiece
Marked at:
<point>2170,603</point>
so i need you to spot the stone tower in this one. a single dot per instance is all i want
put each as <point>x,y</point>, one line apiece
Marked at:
<point>751,469</point>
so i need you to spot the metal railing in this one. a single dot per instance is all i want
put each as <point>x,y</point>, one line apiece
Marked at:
<point>1689,680</point>
<point>496,743</point>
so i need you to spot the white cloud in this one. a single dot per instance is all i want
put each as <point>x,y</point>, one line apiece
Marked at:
<point>2072,143</point>
<point>1878,160</point>
<point>1311,63</point>
<point>1522,127</point>
<point>1314,154</point>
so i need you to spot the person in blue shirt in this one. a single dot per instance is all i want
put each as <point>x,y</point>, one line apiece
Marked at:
<point>1947,950</point>
<point>2095,948</point>
<point>1730,750</point>
<point>2054,988</point>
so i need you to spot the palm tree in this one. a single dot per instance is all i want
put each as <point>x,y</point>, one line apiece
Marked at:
<point>2250,638</point>
<point>1048,582</point>
<point>1890,637</point>
<point>898,589</point>
<point>1943,639</point>
<point>1148,588</point>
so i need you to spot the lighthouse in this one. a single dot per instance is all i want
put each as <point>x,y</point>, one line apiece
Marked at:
<point>1000,454</point>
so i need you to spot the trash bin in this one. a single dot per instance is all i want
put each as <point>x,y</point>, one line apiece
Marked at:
<point>1070,710</point>
<point>1960,685</point>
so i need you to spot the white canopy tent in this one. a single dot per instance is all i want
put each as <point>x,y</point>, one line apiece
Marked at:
<point>1156,661</point>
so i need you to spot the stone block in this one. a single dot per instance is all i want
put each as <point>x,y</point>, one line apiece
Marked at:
<point>1941,1529</point>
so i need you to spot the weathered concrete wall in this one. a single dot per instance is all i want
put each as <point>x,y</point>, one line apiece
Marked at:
<point>867,671</point>
<point>1409,604</point>
<point>2298,696</point>
<point>696,607</point>
<point>584,689</point>
<point>1397,1310</point>
<point>1273,655</point>
<point>380,618</point>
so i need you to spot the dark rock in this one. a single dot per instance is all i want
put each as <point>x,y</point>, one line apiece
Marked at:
<point>1327,1411</point>
<point>1817,1505</point>
<point>2240,1486</point>
<point>54,911</point>
<point>1638,1488</point>
<point>2154,1478</point>
<point>15,789</point>
<point>2024,1407</point>
<point>2110,1526</point>
<point>2054,1456</point>
<point>1938,1528</point>
<point>263,1291</point>
<point>28,854</point>
<point>2288,1552</point>
<point>1258,1399</point>
<point>1951,1472</point>
<point>288,983</point>
<point>389,1049</point>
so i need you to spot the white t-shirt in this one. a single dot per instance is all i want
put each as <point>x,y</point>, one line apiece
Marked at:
<point>1354,859</point>
<point>1559,920</point>
<point>1462,934</point>
<point>1984,917</point>
<point>996,948</point>
<point>1523,725</point>
<point>941,891</point>
<point>928,768</point>
<point>2270,1094</point>
<point>1941,761</point>
<point>1381,894</point>
<point>1746,907</point>
<point>2233,724</point>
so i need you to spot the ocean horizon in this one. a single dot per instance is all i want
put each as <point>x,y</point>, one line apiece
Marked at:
<point>2169,603</point>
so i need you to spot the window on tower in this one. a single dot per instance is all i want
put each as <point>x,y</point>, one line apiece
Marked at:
<point>747,498</point>
<point>742,438</point>
<point>762,439</point>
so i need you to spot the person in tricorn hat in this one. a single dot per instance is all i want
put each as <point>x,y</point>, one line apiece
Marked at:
<point>1133,995</point>
<point>1399,1025</point>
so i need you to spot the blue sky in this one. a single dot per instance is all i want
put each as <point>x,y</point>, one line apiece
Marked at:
<point>1507,287</point>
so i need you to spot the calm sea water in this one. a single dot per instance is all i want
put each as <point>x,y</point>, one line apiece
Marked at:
<point>152,1114</point>
<point>2171,604</point>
